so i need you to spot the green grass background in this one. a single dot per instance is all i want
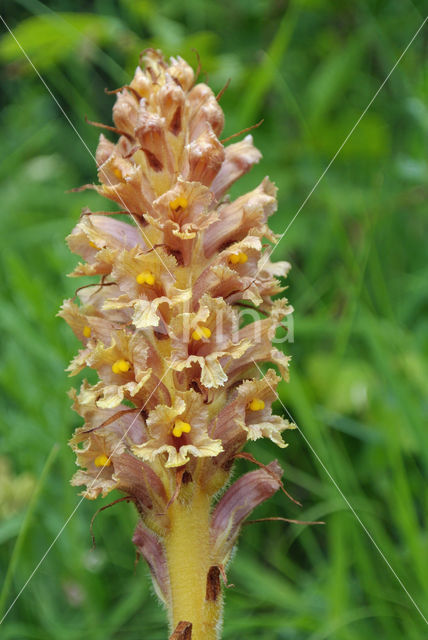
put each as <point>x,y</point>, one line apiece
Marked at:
<point>359,282</point>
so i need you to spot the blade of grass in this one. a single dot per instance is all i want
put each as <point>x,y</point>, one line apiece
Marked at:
<point>25,527</point>
<point>262,79</point>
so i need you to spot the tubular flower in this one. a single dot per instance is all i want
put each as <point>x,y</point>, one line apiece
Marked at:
<point>179,391</point>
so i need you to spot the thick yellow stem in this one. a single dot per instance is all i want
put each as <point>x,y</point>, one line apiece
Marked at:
<point>189,560</point>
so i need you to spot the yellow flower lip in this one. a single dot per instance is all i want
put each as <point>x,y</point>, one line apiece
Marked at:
<point>102,461</point>
<point>256,404</point>
<point>179,203</point>
<point>87,331</point>
<point>201,332</point>
<point>118,173</point>
<point>180,427</point>
<point>145,277</point>
<point>238,258</point>
<point>121,366</point>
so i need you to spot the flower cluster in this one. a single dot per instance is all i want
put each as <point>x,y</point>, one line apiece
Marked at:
<point>179,390</point>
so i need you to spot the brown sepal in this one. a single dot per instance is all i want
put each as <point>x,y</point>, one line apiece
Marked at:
<point>183,631</point>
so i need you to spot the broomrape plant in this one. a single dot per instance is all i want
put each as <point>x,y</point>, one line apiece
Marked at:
<point>179,391</point>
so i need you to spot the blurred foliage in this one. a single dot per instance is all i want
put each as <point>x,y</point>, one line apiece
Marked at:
<point>15,491</point>
<point>359,281</point>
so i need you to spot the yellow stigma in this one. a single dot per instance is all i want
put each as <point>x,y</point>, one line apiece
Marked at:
<point>201,332</point>
<point>118,173</point>
<point>121,366</point>
<point>178,203</point>
<point>87,331</point>
<point>93,244</point>
<point>256,404</point>
<point>238,258</point>
<point>145,277</point>
<point>180,427</point>
<point>102,461</point>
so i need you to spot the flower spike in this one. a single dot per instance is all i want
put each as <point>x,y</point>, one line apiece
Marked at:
<point>167,330</point>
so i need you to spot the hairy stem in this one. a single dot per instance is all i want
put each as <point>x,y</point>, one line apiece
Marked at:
<point>195,586</point>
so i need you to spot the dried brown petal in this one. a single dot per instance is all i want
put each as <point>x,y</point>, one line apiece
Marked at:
<point>238,160</point>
